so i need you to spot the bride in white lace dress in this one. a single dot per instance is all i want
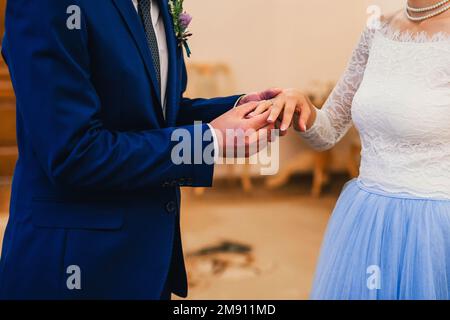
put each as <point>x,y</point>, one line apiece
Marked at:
<point>389,236</point>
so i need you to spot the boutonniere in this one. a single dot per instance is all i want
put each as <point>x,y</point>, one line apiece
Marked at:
<point>181,22</point>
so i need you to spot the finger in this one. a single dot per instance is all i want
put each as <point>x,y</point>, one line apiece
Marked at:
<point>304,116</point>
<point>270,93</point>
<point>256,142</point>
<point>270,132</point>
<point>263,139</point>
<point>288,114</point>
<point>278,105</point>
<point>251,144</point>
<point>245,109</point>
<point>262,107</point>
<point>257,122</point>
<point>245,144</point>
<point>296,121</point>
<point>277,126</point>
<point>278,123</point>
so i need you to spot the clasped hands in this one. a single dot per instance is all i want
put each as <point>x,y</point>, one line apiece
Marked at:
<point>248,128</point>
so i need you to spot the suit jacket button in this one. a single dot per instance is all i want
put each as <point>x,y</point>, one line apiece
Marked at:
<point>171,207</point>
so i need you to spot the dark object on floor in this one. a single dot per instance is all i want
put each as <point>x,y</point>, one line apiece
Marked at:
<point>224,247</point>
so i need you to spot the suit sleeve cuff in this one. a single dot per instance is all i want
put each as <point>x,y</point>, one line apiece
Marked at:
<point>204,168</point>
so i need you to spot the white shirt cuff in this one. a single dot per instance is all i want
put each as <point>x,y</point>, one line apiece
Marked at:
<point>216,144</point>
<point>238,101</point>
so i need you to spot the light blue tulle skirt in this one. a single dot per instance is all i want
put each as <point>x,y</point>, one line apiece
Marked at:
<point>387,247</point>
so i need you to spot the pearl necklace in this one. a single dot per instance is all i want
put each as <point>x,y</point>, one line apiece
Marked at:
<point>428,16</point>
<point>424,9</point>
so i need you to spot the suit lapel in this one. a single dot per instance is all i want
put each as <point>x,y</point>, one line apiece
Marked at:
<point>171,96</point>
<point>134,24</point>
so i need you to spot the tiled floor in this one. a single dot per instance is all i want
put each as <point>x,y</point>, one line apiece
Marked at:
<point>284,235</point>
<point>272,240</point>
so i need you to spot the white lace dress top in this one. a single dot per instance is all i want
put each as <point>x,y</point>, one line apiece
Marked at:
<point>396,90</point>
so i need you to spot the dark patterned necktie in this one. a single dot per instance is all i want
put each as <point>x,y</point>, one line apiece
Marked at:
<point>144,9</point>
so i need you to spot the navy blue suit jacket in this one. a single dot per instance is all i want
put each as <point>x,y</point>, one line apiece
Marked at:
<point>94,186</point>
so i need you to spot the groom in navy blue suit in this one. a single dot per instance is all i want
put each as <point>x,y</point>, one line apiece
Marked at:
<point>95,198</point>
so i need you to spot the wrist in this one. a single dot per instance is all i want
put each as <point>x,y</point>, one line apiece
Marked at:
<point>312,118</point>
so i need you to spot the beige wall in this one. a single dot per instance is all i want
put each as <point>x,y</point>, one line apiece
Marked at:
<point>286,43</point>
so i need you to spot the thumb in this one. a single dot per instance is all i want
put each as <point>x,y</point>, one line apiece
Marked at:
<point>270,93</point>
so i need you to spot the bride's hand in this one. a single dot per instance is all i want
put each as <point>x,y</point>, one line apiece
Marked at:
<point>290,107</point>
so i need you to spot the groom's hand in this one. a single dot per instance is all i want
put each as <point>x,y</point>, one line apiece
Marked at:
<point>260,96</point>
<point>236,132</point>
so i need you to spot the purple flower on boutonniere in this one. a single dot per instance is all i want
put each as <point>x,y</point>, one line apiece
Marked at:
<point>185,20</point>
<point>181,22</point>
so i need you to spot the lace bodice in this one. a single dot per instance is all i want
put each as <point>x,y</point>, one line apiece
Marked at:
<point>396,90</point>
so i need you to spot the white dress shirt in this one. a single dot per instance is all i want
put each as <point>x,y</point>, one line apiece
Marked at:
<point>158,25</point>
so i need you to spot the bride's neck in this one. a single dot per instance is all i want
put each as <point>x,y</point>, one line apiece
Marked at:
<point>422,3</point>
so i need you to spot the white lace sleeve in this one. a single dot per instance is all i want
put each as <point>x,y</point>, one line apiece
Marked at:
<point>335,119</point>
